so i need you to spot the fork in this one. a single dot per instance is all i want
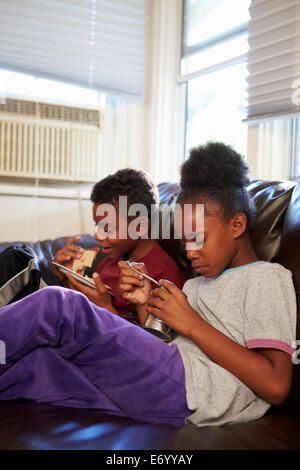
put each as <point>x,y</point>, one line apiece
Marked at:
<point>143,274</point>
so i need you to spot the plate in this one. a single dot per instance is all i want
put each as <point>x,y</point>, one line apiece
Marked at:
<point>84,280</point>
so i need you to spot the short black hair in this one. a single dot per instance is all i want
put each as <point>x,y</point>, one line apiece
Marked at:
<point>133,183</point>
<point>217,173</point>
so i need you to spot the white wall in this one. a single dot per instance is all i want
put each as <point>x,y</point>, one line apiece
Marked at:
<point>32,218</point>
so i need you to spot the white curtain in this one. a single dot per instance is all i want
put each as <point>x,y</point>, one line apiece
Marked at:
<point>123,136</point>
<point>274,146</point>
<point>151,136</point>
<point>166,102</point>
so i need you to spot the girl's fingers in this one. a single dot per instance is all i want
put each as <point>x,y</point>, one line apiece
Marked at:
<point>155,302</point>
<point>169,286</point>
<point>160,293</point>
<point>153,311</point>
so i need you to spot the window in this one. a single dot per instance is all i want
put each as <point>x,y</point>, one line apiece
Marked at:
<point>215,108</point>
<point>18,85</point>
<point>207,38</point>
<point>215,68</point>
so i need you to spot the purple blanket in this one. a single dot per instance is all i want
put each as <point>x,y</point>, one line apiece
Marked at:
<point>63,349</point>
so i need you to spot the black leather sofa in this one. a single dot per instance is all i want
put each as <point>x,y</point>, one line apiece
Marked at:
<point>26,425</point>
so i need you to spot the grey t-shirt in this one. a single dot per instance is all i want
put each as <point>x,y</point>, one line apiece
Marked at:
<point>254,305</point>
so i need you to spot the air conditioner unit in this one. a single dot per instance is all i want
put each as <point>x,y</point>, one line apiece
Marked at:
<point>48,141</point>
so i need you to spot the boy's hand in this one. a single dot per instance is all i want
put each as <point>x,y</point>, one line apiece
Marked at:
<point>132,286</point>
<point>172,307</point>
<point>98,296</point>
<point>66,255</point>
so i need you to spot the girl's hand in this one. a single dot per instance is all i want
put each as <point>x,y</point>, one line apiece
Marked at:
<point>132,286</point>
<point>98,296</point>
<point>66,255</point>
<point>172,307</point>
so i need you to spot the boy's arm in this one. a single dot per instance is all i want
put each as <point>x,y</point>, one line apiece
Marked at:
<point>268,372</point>
<point>135,288</point>
<point>98,296</point>
<point>142,311</point>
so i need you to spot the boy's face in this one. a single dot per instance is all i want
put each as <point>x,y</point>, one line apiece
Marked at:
<point>219,245</point>
<point>108,234</point>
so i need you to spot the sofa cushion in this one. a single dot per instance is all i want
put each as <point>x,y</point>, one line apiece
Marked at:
<point>271,200</point>
<point>47,249</point>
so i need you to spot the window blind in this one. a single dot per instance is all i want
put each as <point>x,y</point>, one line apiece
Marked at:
<point>273,59</point>
<point>101,44</point>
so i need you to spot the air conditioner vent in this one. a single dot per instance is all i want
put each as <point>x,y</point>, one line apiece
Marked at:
<point>31,147</point>
<point>52,111</point>
<point>19,107</point>
<point>69,114</point>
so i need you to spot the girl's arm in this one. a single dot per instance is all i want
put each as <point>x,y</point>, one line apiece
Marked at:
<point>268,372</point>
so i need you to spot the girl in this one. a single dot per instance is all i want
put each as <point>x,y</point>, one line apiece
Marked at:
<point>235,324</point>
<point>238,321</point>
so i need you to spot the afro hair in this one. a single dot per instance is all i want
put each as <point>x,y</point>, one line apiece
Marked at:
<point>135,184</point>
<point>219,174</point>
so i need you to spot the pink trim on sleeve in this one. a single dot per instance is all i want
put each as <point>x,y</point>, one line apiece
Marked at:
<point>270,343</point>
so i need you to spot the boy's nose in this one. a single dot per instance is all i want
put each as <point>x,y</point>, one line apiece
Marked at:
<point>191,254</point>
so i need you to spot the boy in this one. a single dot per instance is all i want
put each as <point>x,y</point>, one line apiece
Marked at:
<point>117,243</point>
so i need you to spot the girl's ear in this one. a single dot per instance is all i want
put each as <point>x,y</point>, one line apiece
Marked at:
<point>239,224</point>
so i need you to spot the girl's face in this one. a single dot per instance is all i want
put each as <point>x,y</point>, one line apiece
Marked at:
<point>218,249</point>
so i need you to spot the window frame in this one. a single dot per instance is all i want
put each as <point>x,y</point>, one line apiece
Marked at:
<point>206,44</point>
